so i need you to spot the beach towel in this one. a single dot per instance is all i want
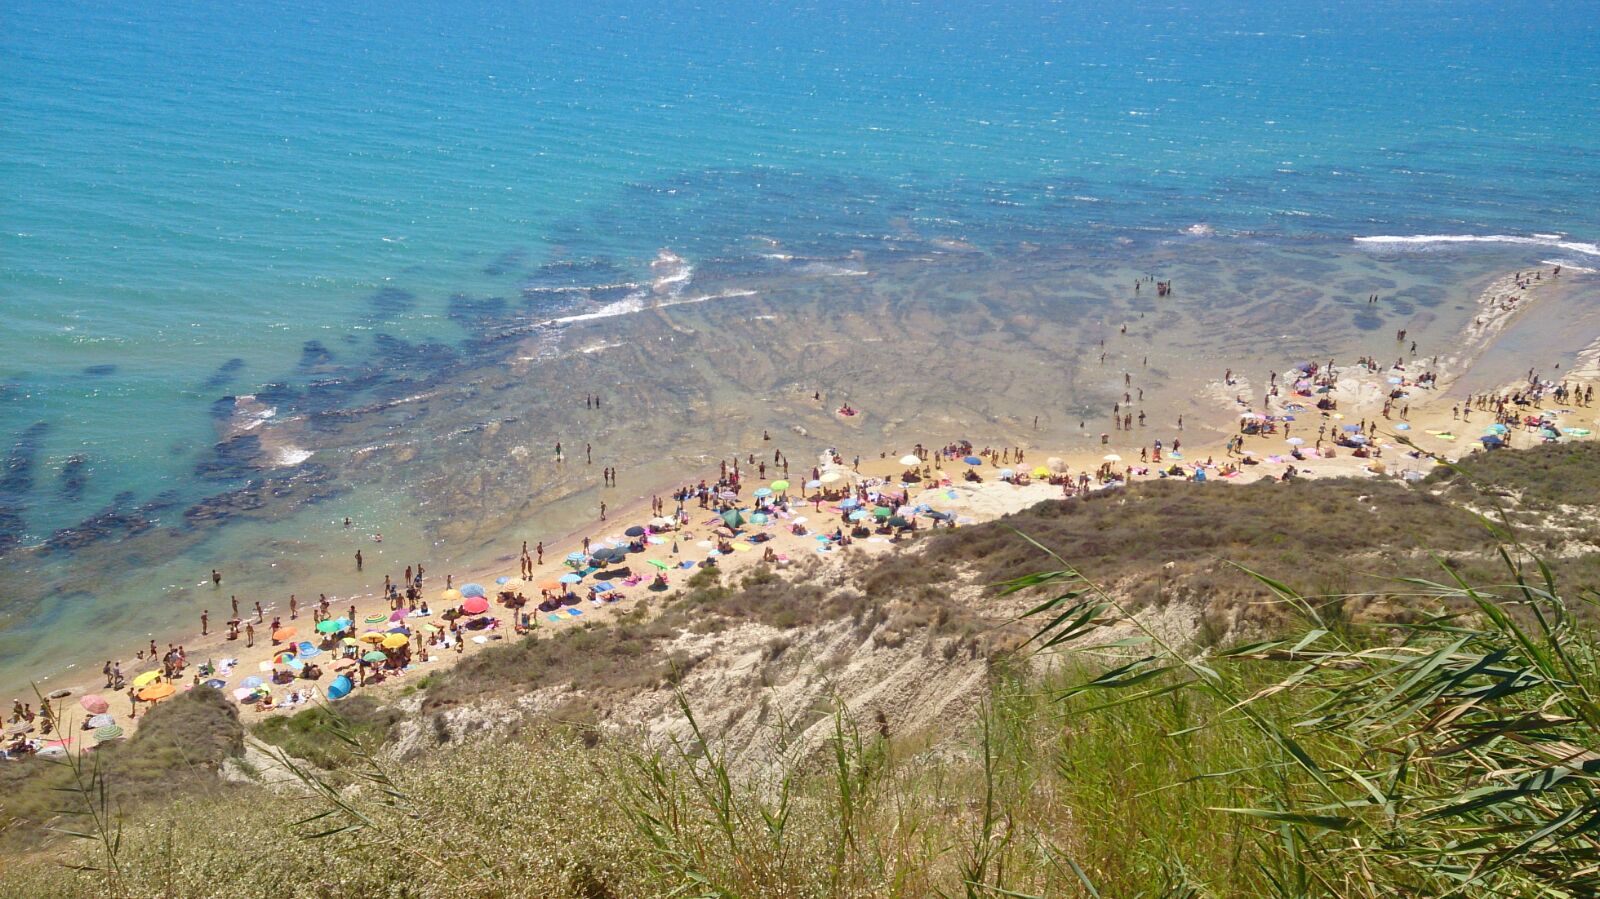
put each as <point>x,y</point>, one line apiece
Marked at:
<point>554,617</point>
<point>575,612</point>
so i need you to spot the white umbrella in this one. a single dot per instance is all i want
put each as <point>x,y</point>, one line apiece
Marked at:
<point>1111,457</point>
<point>910,460</point>
<point>1294,441</point>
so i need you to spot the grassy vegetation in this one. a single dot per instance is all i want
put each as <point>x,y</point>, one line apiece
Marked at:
<point>305,734</point>
<point>179,747</point>
<point>1542,478</point>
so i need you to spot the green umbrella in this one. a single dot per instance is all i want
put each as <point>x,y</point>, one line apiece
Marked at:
<point>329,626</point>
<point>732,518</point>
<point>374,656</point>
<point>780,485</point>
<point>899,522</point>
<point>659,564</point>
<point>880,512</point>
<point>109,732</point>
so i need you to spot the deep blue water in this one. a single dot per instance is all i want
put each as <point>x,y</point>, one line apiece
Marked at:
<point>198,200</point>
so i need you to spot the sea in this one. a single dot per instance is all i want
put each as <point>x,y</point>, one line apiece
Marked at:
<point>268,267</point>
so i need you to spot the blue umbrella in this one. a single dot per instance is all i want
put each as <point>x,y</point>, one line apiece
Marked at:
<point>850,503</point>
<point>973,460</point>
<point>307,651</point>
<point>571,578</point>
<point>340,687</point>
<point>473,590</point>
<point>574,557</point>
<point>251,682</point>
<point>1352,427</point>
<point>859,515</point>
<point>503,579</point>
<point>763,492</point>
<point>402,629</point>
<point>634,531</point>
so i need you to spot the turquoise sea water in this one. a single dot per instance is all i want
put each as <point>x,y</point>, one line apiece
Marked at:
<point>333,207</point>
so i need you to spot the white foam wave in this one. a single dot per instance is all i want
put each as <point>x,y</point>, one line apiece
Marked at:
<point>1537,240</point>
<point>288,456</point>
<point>585,288</point>
<point>1200,229</point>
<point>1567,265</point>
<point>672,273</point>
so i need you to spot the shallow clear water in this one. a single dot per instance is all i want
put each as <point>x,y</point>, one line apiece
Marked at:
<point>361,218</point>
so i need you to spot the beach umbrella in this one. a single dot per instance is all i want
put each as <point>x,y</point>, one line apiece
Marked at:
<point>252,682</point>
<point>973,460</point>
<point>832,477</point>
<point>1111,457</point>
<point>1359,438</point>
<point>477,605</point>
<point>571,578</point>
<point>157,692</point>
<point>374,656</point>
<point>1056,464</point>
<point>909,459</point>
<point>1497,428</point>
<point>100,721</point>
<point>394,641</point>
<point>339,687</point>
<point>454,595</point>
<point>858,515</point>
<point>372,637</point>
<point>850,503</point>
<point>1492,442</point>
<point>306,650</point>
<point>503,579</point>
<point>399,615</point>
<point>634,531</point>
<point>473,590</point>
<point>574,557</point>
<point>328,626</point>
<point>1294,441</point>
<point>1041,472</point>
<point>899,521</point>
<point>379,617</point>
<point>780,486</point>
<point>21,727</point>
<point>284,633</point>
<point>216,683</point>
<point>759,518</point>
<point>881,512</point>
<point>550,585</point>
<point>147,678</point>
<point>812,485</point>
<point>1352,427</point>
<point>662,522</point>
<point>763,492</point>
<point>350,641</point>
<point>1008,473</point>
<point>94,705</point>
<point>732,518</point>
<point>659,564</point>
<point>109,732</point>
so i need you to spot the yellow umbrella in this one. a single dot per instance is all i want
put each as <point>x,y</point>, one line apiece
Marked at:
<point>1041,472</point>
<point>350,641</point>
<point>451,595</point>
<point>145,679</point>
<point>394,641</point>
<point>373,637</point>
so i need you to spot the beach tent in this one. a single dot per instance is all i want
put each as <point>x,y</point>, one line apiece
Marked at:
<point>732,518</point>
<point>340,687</point>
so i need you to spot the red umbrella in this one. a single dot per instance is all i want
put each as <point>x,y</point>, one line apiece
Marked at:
<point>475,605</point>
<point>94,705</point>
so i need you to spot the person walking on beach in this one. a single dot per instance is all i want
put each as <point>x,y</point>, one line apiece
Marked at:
<point>539,549</point>
<point>602,511</point>
<point>358,560</point>
<point>235,601</point>
<point>249,634</point>
<point>107,671</point>
<point>205,624</point>
<point>294,607</point>
<point>260,617</point>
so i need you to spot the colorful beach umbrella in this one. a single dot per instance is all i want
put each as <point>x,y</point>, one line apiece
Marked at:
<point>394,641</point>
<point>660,564</point>
<point>451,595</point>
<point>328,626</point>
<point>100,721</point>
<point>374,656</point>
<point>473,590</point>
<point>780,486</point>
<point>376,618</point>
<point>109,732</point>
<point>973,460</point>
<point>94,705</point>
<point>571,578</point>
<point>503,579</point>
<point>1041,472</point>
<point>147,678</point>
<point>881,512</point>
<point>157,692</point>
<point>763,492</point>
<point>372,637</point>
<point>859,515</point>
<point>477,605</point>
<point>284,633</point>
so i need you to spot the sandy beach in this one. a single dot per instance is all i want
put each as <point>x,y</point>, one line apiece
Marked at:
<point>1427,416</point>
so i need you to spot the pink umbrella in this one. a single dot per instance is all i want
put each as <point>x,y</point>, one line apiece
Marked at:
<point>475,605</point>
<point>399,614</point>
<point>94,705</point>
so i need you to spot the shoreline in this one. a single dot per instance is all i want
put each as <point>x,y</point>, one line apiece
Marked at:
<point>1500,303</point>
